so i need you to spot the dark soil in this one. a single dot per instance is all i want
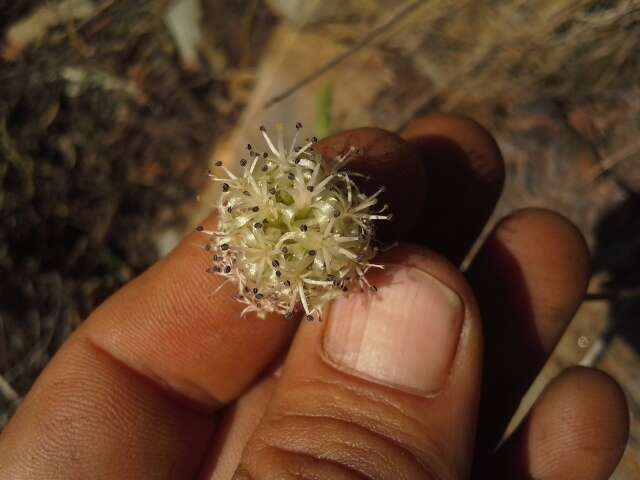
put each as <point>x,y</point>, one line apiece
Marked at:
<point>104,140</point>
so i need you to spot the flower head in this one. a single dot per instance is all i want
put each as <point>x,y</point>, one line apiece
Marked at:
<point>295,231</point>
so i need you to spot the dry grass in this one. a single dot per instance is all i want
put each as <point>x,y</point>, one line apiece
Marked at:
<point>475,51</point>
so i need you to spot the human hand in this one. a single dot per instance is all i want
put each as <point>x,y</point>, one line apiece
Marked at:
<point>163,381</point>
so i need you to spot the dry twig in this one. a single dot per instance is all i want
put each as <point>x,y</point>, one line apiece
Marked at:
<point>7,390</point>
<point>613,160</point>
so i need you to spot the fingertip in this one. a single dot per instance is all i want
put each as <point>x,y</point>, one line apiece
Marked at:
<point>374,143</point>
<point>391,162</point>
<point>465,171</point>
<point>579,427</point>
<point>552,255</point>
<point>475,140</point>
<point>593,407</point>
<point>533,225</point>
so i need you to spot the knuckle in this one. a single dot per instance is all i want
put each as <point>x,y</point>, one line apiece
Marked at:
<point>341,432</point>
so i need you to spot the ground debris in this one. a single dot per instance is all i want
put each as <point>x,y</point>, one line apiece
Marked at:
<point>104,140</point>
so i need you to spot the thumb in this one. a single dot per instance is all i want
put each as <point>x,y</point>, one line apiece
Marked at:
<point>386,387</point>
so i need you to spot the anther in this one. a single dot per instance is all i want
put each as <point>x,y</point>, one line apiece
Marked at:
<point>218,163</point>
<point>224,247</point>
<point>255,209</point>
<point>227,269</point>
<point>291,176</point>
<point>285,250</point>
<point>259,296</point>
<point>310,188</point>
<point>243,162</point>
<point>262,129</point>
<point>303,227</point>
<point>257,225</point>
<point>312,253</point>
<point>275,263</point>
<point>265,168</point>
<point>249,147</point>
<point>199,228</point>
<point>272,190</point>
<point>298,125</point>
<point>225,187</point>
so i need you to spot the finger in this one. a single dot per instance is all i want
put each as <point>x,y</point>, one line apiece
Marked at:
<point>236,427</point>
<point>160,352</point>
<point>578,429</point>
<point>387,387</point>
<point>530,277</point>
<point>91,417</point>
<point>465,175</point>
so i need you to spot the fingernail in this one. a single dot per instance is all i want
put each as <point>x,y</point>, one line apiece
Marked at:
<point>404,335</point>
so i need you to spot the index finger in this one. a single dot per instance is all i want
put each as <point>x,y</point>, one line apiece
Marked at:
<point>130,395</point>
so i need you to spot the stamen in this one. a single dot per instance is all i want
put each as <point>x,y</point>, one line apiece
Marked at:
<point>270,144</point>
<point>347,253</point>
<point>303,299</point>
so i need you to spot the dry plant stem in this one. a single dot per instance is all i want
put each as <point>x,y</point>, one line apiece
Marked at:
<point>294,229</point>
<point>7,390</point>
<point>611,295</point>
<point>629,152</point>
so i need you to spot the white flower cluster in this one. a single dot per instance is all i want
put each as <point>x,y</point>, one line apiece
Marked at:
<point>294,229</point>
